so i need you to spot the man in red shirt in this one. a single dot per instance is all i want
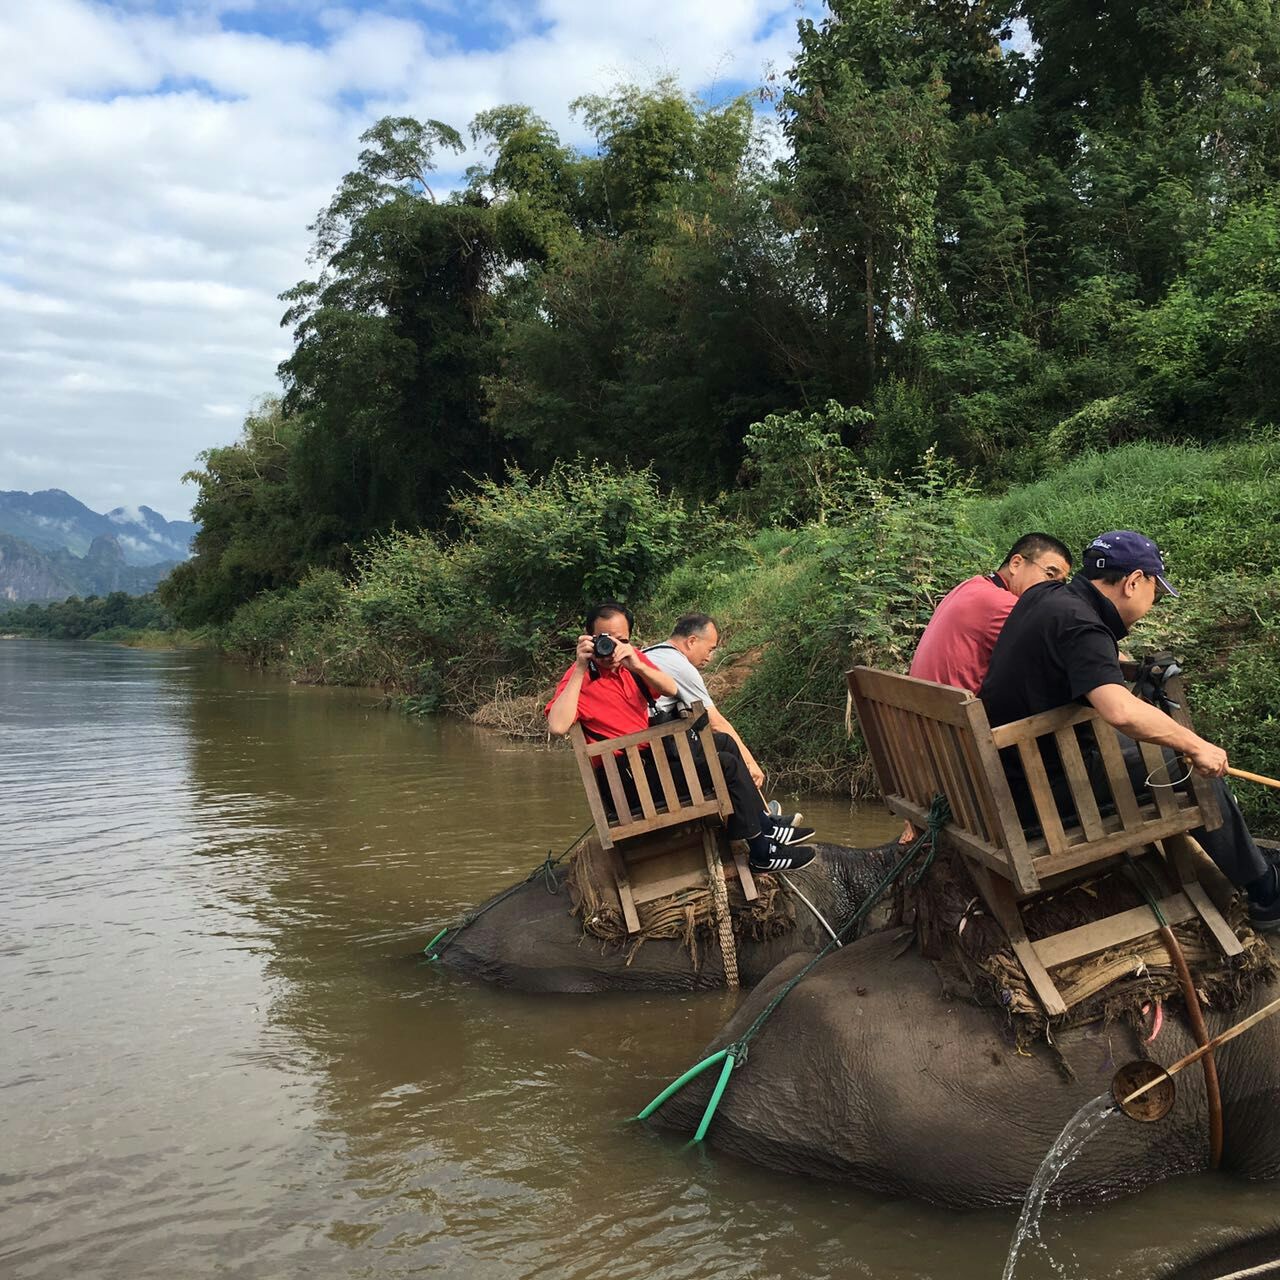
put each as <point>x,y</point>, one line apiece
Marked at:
<point>607,693</point>
<point>956,646</point>
<point>610,693</point>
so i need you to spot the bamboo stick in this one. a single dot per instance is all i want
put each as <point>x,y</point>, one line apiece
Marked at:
<point>1254,777</point>
<point>1229,1034</point>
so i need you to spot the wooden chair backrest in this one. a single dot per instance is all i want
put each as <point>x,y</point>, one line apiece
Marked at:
<point>929,739</point>
<point>655,812</point>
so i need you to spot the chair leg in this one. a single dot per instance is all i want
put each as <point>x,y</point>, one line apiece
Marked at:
<point>625,895</point>
<point>999,897</point>
<point>1182,849</point>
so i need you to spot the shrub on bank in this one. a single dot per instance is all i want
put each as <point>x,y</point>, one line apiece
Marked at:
<point>442,623</point>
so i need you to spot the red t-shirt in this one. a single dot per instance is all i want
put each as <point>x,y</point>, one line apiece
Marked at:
<point>611,704</point>
<point>956,646</point>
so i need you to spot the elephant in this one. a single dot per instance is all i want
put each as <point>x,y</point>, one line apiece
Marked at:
<point>1256,1256</point>
<point>866,1072</point>
<point>528,941</point>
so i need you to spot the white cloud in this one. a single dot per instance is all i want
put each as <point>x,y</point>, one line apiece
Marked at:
<point>161,171</point>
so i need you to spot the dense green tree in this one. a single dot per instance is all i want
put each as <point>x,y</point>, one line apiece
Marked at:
<point>253,531</point>
<point>390,343</point>
<point>867,119</point>
<point>669,322</point>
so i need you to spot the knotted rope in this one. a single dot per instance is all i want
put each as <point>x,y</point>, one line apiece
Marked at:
<point>720,906</point>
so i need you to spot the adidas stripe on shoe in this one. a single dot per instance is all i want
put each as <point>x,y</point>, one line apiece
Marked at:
<point>780,858</point>
<point>786,832</point>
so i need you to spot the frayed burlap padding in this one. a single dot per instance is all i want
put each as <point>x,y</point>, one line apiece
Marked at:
<point>973,957</point>
<point>688,915</point>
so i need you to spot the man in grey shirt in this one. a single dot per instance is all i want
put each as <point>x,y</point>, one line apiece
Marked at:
<point>694,638</point>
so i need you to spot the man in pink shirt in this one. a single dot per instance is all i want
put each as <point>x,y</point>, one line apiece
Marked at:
<point>956,646</point>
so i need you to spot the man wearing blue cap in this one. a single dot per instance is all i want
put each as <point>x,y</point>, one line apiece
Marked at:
<point>1061,644</point>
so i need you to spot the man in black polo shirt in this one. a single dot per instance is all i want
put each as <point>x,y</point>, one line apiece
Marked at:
<point>1061,644</point>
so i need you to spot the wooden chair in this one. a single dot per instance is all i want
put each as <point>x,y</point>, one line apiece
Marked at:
<point>659,843</point>
<point>929,739</point>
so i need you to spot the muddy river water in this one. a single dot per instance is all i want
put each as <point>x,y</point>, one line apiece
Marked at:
<point>222,1055</point>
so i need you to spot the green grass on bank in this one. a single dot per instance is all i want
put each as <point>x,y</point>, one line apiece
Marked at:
<point>447,627</point>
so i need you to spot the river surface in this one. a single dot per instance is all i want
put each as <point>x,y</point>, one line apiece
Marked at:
<point>222,1055</point>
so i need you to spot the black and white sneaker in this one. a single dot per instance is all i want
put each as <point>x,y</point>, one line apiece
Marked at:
<point>780,858</point>
<point>786,831</point>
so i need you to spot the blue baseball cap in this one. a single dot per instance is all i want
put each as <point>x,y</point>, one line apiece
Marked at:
<point>1123,550</point>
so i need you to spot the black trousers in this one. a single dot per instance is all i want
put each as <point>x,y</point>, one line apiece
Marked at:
<point>1231,845</point>
<point>744,823</point>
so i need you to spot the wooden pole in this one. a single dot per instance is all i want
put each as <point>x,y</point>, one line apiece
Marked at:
<point>1195,1015</point>
<point>1254,777</point>
<point>1229,1034</point>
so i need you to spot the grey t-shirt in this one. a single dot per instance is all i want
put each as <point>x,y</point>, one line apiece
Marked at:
<point>689,683</point>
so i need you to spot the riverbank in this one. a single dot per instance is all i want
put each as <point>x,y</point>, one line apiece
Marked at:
<point>434,626</point>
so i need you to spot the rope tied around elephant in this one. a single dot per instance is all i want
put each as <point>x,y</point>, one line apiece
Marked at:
<point>546,869</point>
<point>736,1054</point>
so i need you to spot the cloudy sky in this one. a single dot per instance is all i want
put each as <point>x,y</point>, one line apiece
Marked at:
<point>162,159</point>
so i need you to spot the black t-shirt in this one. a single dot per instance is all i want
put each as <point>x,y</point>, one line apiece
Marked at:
<point>1060,641</point>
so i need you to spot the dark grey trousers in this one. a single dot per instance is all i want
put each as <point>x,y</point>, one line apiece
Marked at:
<point>1231,846</point>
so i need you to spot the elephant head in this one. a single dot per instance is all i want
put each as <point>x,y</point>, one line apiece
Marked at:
<point>868,1072</point>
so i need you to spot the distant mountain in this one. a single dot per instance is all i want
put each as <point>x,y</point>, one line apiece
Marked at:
<point>52,520</point>
<point>29,574</point>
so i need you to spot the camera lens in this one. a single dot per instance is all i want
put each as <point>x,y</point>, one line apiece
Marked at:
<point>604,646</point>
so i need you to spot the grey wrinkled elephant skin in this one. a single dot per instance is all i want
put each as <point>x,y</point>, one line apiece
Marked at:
<point>530,942</point>
<point>866,1074</point>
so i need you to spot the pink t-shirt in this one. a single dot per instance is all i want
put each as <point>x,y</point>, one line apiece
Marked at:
<point>956,646</point>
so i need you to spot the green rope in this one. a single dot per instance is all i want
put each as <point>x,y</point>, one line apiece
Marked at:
<point>1135,874</point>
<point>736,1053</point>
<point>546,869</point>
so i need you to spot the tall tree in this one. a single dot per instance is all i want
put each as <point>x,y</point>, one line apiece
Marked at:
<point>391,340</point>
<point>867,118</point>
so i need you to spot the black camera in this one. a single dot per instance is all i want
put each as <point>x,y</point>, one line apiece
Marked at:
<point>604,646</point>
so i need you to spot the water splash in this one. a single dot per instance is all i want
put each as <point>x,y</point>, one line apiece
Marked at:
<point>1079,1129</point>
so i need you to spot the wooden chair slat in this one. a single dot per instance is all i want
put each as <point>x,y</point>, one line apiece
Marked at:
<point>1038,725</point>
<point>1081,786</point>
<point>641,779</point>
<point>1202,788</point>
<point>719,787</point>
<point>670,793</point>
<point>595,802</point>
<point>1008,830</point>
<point>895,749</point>
<point>1042,798</point>
<point>621,805</point>
<point>691,780</point>
<point>901,728</point>
<point>955,786</point>
<point>1157,773</point>
<point>1117,775</point>
<point>868,714</point>
<point>937,701</point>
